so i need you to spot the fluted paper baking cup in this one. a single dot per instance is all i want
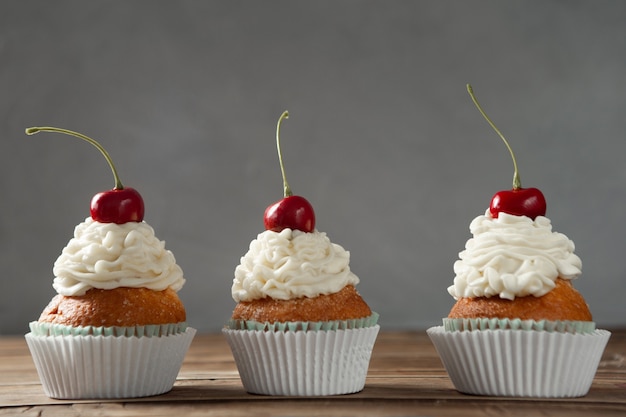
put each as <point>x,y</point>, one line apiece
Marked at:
<point>520,363</point>
<point>52,329</point>
<point>94,367</point>
<point>302,363</point>
<point>471,324</point>
<point>292,326</point>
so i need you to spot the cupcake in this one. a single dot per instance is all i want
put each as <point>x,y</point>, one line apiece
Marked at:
<point>518,326</point>
<point>116,327</point>
<point>299,327</point>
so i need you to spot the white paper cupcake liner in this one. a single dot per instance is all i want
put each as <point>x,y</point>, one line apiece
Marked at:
<point>302,363</point>
<point>50,329</point>
<point>520,363</point>
<point>483,323</point>
<point>293,326</point>
<point>91,367</point>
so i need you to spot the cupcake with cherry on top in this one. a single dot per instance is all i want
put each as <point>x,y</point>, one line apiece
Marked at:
<point>517,313</point>
<point>116,327</point>
<point>299,326</point>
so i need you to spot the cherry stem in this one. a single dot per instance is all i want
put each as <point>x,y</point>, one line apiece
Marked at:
<point>286,189</point>
<point>517,183</point>
<point>34,130</point>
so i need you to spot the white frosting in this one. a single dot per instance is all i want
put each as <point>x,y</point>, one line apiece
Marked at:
<point>291,264</point>
<point>109,255</point>
<point>513,256</point>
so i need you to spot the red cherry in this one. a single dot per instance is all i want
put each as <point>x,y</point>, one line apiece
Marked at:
<point>293,212</point>
<point>117,206</point>
<point>518,202</point>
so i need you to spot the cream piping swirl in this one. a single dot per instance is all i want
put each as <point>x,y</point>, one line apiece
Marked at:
<point>109,255</point>
<point>513,256</point>
<point>291,264</point>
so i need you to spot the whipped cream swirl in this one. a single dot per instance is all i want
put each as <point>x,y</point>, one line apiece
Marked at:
<point>109,255</point>
<point>291,264</point>
<point>513,256</point>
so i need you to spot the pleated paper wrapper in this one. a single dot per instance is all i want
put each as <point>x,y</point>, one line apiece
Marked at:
<point>520,363</point>
<point>99,366</point>
<point>303,363</point>
<point>563,326</point>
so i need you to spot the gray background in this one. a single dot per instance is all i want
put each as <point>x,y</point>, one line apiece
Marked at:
<point>382,139</point>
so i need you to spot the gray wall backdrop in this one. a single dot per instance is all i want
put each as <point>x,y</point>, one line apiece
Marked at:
<point>382,139</point>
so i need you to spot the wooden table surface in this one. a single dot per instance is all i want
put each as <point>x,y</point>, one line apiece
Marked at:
<point>406,378</point>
